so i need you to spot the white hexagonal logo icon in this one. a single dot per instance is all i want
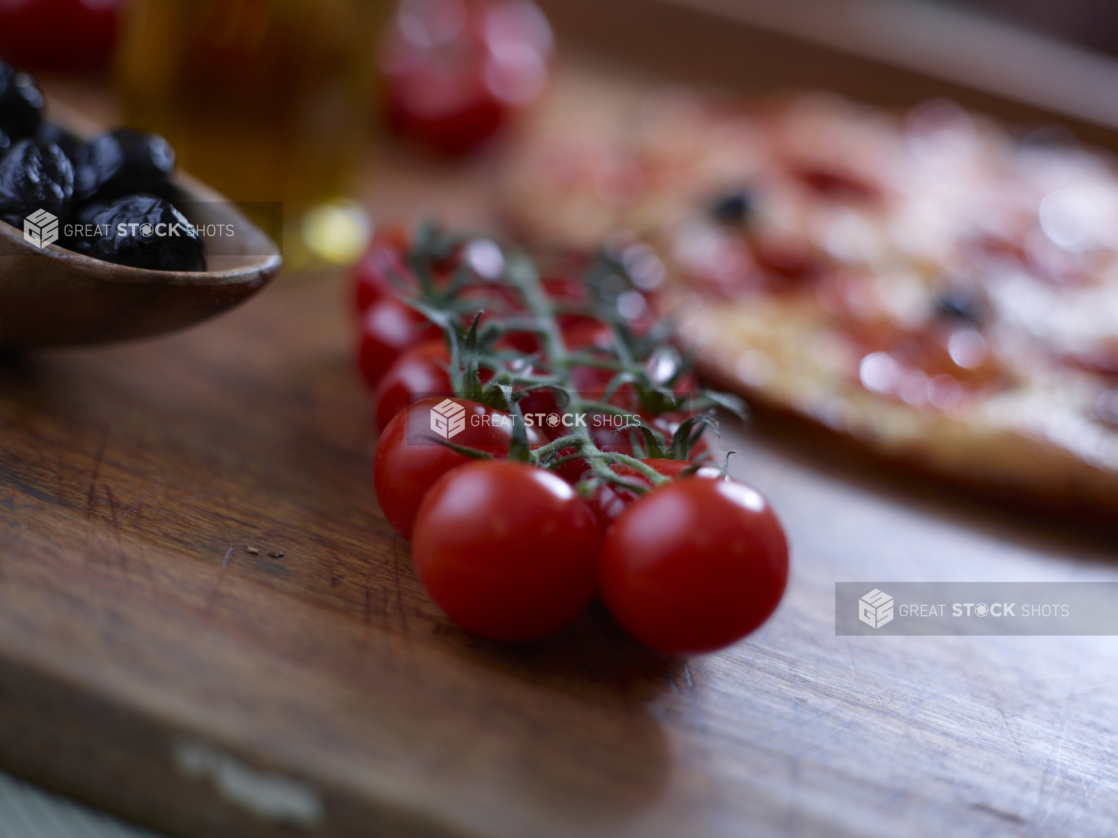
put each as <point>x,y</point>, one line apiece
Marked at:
<point>875,609</point>
<point>448,418</point>
<point>40,228</point>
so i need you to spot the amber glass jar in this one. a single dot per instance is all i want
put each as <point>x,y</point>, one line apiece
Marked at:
<point>267,100</point>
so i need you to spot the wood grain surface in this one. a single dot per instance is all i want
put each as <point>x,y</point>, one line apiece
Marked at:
<point>137,629</point>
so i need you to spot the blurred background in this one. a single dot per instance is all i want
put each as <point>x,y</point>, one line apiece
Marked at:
<point>296,101</point>
<point>289,100</point>
<point>318,103</point>
<point>1086,22</point>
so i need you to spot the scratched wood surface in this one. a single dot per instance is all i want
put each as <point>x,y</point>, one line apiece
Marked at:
<point>136,627</point>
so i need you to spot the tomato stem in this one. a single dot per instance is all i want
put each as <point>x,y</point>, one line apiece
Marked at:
<point>635,358</point>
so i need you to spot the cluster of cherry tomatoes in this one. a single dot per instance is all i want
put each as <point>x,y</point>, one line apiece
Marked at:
<point>541,444</point>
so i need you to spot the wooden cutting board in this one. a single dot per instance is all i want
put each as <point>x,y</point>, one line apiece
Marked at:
<point>154,664</point>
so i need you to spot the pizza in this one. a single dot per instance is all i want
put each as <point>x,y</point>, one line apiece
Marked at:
<point>929,285</point>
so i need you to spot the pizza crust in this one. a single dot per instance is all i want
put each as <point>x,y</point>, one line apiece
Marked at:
<point>1020,445</point>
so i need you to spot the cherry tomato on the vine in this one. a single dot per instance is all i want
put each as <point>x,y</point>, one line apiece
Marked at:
<point>388,329</point>
<point>408,459</point>
<point>620,440</point>
<point>590,381</point>
<point>571,293</point>
<point>587,335</point>
<point>609,500</point>
<point>382,271</point>
<point>507,550</point>
<point>421,369</point>
<point>694,566</point>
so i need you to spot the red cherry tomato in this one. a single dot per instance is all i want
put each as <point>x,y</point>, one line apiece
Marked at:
<point>382,271</point>
<point>587,336</point>
<point>446,107</point>
<point>571,293</point>
<point>608,501</point>
<point>620,440</point>
<point>694,566</point>
<point>507,550</point>
<point>525,342</point>
<point>596,339</point>
<point>590,381</point>
<point>388,328</point>
<point>667,424</point>
<point>455,70</point>
<point>420,370</point>
<point>408,460</point>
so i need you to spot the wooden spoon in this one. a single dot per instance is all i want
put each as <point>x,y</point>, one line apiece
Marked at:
<point>54,297</point>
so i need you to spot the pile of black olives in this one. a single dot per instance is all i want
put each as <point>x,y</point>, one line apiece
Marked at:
<point>109,193</point>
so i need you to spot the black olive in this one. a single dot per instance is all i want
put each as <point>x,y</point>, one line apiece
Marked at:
<point>120,162</point>
<point>21,103</point>
<point>49,132</point>
<point>733,207</point>
<point>35,176</point>
<point>953,302</point>
<point>144,232</point>
<point>85,213</point>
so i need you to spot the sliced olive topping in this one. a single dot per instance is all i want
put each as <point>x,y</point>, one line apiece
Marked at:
<point>953,302</point>
<point>733,208</point>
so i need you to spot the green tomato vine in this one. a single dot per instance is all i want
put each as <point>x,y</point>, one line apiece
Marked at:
<point>475,312</point>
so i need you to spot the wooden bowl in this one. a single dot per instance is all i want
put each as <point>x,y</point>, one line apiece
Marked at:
<point>54,297</point>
